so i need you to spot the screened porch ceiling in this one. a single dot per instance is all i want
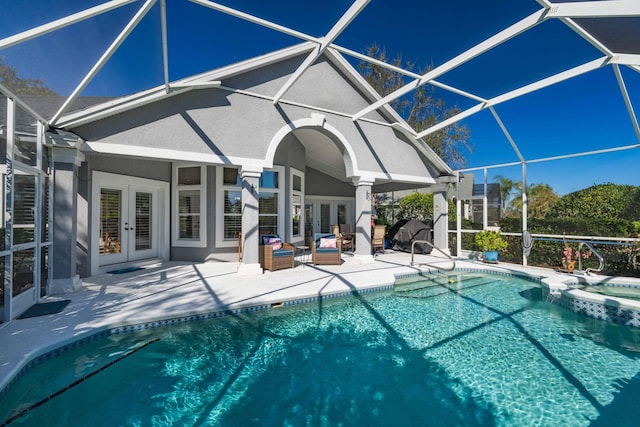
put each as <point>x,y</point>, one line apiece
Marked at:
<point>481,52</point>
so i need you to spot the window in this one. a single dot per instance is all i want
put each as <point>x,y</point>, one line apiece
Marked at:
<point>189,223</point>
<point>342,213</point>
<point>297,202</point>
<point>268,203</point>
<point>24,206</point>
<point>232,184</point>
<point>229,196</point>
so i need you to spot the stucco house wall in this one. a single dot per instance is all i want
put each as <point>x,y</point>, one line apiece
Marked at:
<point>237,124</point>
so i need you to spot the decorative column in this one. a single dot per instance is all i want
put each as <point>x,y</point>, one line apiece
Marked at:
<point>250,216</point>
<point>65,218</point>
<point>441,213</point>
<point>363,220</point>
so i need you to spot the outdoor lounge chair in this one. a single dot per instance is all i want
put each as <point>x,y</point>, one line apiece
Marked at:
<point>274,254</point>
<point>377,240</point>
<point>325,249</point>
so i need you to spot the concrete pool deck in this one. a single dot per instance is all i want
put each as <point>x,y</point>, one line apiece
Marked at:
<point>176,289</point>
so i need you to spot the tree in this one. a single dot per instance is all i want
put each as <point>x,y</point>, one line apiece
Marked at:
<point>420,206</point>
<point>21,86</point>
<point>540,198</point>
<point>506,187</point>
<point>603,201</point>
<point>416,206</point>
<point>421,110</point>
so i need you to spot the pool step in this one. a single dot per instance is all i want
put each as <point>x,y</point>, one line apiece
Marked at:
<point>431,286</point>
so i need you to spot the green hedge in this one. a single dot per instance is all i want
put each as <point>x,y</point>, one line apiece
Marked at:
<point>618,259</point>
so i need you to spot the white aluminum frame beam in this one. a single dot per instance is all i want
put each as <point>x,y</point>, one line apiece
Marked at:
<point>105,57</point>
<point>165,48</point>
<point>276,27</point>
<point>626,59</point>
<point>595,9</point>
<point>326,41</point>
<point>496,40</point>
<point>540,84</point>
<point>560,157</point>
<point>256,20</point>
<point>627,100</point>
<point>506,134</point>
<point>61,23</point>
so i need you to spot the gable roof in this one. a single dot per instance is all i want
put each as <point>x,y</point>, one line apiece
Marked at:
<point>385,115</point>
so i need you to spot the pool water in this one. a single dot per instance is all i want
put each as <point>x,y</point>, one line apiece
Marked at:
<point>455,350</point>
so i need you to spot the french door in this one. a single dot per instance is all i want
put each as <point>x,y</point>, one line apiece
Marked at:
<point>321,214</point>
<point>127,229</point>
<point>128,219</point>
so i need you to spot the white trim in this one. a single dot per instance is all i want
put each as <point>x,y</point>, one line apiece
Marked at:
<point>212,159</point>
<point>109,180</point>
<point>201,242</point>
<point>350,160</point>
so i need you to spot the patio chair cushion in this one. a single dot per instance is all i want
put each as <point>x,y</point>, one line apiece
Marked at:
<point>327,243</point>
<point>282,253</point>
<point>326,250</point>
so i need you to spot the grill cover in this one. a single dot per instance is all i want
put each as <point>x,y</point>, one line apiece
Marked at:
<point>406,231</point>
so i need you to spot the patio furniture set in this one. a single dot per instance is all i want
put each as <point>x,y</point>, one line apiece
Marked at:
<point>326,248</point>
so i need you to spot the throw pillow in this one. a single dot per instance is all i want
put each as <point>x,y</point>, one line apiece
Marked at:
<point>275,243</point>
<point>327,243</point>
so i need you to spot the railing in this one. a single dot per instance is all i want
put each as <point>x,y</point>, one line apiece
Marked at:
<point>453,261</point>
<point>597,254</point>
<point>580,239</point>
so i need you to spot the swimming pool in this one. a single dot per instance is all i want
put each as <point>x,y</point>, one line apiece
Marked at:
<point>461,349</point>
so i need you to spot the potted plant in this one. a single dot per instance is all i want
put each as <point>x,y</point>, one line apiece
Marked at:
<point>490,242</point>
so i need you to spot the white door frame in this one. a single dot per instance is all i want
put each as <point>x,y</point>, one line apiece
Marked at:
<point>129,185</point>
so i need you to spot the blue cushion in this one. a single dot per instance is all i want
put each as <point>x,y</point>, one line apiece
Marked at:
<point>282,253</point>
<point>319,236</point>
<point>327,250</point>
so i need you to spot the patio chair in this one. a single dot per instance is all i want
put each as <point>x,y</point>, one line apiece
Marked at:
<point>325,249</point>
<point>377,240</point>
<point>348,237</point>
<point>344,241</point>
<point>273,254</point>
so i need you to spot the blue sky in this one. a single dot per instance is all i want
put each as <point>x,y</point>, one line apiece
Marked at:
<point>583,114</point>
